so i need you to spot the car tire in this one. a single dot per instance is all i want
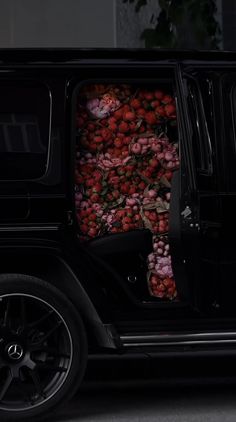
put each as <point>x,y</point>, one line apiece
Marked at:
<point>43,348</point>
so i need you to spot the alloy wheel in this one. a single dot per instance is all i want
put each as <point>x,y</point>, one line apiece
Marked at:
<point>36,351</point>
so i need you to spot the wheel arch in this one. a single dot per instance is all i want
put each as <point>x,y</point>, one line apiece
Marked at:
<point>55,270</point>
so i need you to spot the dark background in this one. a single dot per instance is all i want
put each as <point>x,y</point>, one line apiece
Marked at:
<point>229,24</point>
<point>103,23</point>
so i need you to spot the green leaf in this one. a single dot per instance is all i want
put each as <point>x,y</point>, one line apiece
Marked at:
<point>104,191</point>
<point>164,4</point>
<point>150,37</point>
<point>177,16</point>
<point>116,224</point>
<point>162,35</point>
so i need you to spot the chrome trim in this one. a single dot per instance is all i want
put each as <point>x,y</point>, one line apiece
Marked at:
<point>28,228</point>
<point>180,343</point>
<point>49,132</point>
<point>179,339</point>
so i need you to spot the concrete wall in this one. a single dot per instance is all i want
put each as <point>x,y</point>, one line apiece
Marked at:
<point>57,23</point>
<point>130,24</point>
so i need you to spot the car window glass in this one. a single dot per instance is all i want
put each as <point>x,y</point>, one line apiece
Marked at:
<point>24,129</point>
<point>201,140</point>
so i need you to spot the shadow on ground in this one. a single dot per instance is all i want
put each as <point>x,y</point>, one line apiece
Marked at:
<point>162,389</point>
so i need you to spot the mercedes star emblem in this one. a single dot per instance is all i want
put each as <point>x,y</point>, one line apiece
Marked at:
<point>15,351</point>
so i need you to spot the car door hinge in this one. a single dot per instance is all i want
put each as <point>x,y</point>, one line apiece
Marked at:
<point>186,212</point>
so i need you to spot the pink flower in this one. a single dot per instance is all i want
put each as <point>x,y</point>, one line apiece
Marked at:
<point>103,107</point>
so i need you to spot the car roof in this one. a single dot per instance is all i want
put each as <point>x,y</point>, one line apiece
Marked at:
<point>73,55</point>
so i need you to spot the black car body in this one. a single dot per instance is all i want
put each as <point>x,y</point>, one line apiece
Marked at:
<point>98,282</point>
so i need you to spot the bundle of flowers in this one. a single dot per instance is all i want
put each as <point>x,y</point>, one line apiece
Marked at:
<point>161,281</point>
<point>164,288</point>
<point>123,219</point>
<point>124,166</point>
<point>89,215</point>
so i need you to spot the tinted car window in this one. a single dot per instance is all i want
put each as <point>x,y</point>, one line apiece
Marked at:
<point>226,129</point>
<point>24,129</point>
<point>201,139</point>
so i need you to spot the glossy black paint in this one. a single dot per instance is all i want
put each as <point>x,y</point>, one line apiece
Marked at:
<point>37,217</point>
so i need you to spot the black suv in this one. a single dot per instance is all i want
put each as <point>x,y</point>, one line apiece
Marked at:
<point>117,209</point>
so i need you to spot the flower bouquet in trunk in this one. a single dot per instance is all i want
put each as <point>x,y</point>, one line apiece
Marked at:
<point>124,167</point>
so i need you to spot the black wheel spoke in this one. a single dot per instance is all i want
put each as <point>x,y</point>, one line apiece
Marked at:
<point>36,382</point>
<point>48,334</point>
<point>23,312</point>
<point>6,384</point>
<point>6,322</point>
<point>49,351</point>
<point>46,367</point>
<point>22,390</point>
<point>22,316</point>
<point>2,364</point>
<point>40,320</point>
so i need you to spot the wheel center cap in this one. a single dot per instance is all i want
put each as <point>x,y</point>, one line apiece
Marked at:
<point>15,351</point>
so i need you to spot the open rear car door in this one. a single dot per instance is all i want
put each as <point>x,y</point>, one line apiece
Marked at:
<point>195,209</point>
